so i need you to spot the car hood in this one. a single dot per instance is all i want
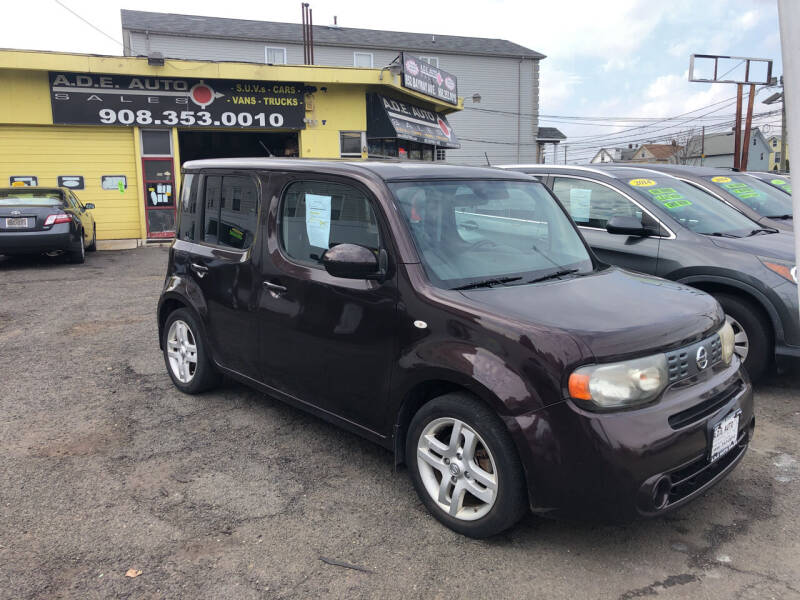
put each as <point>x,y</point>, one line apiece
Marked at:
<point>613,312</point>
<point>772,245</point>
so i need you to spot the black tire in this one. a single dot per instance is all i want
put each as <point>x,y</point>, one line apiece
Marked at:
<point>758,331</point>
<point>511,498</point>
<point>93,246</point>
<point>78,256</point>
<point>205,376</point>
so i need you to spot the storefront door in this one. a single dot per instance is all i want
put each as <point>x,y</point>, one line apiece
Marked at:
<point>159,197</point>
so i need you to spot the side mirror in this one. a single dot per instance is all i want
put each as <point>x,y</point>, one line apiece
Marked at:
<point>351,261</point>
<point>88,206</point>
<point>626,226</point>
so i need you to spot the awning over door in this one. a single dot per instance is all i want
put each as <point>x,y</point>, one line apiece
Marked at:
<point>390,118</point>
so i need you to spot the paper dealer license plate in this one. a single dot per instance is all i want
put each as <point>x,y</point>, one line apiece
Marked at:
<point>725,435</point>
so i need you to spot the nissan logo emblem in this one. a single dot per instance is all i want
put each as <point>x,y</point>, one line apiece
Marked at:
<point>702,358</point>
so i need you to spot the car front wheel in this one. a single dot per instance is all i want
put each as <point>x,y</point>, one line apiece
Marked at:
<point>186,355</point>
<point>464,466</point>
<point>752,342</point>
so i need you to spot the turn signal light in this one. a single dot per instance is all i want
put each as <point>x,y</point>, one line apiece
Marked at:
<point>579,386</point>
<point>55,219</point>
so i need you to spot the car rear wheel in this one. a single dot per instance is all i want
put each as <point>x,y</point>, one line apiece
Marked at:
<point>751,331</point>
<point>78,256</point>
<point>93,246</point>
<point>464,466</point>
<point>186,355</point>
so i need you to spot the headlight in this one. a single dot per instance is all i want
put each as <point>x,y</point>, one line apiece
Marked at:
<point>619,385</point>
<point>785,270</point>
<point>726,336</point>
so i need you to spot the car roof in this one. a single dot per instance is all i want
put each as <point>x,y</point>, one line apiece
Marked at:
<point>386,170</point>
<point>36,188</point>
<point>615,171</point>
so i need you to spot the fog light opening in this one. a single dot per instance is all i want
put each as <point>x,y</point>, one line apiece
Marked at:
<point>661,493</point>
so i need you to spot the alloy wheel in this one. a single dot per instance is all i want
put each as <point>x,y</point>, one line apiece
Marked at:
<point>457,469</point>
<point>182,351</point>
<point>741,343</point>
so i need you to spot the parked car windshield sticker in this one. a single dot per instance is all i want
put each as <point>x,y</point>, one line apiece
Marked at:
<point>579,204</point>
<point>741,190</point>
<point>641,182</point>
<point>783,184</point>
<point>669,197</point>
<point>720,179</point>
<point>318,220</point>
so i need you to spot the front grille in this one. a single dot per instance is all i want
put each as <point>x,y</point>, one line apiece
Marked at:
<point>682,363</point>
<point>695,475</point>
<point>705,408</point>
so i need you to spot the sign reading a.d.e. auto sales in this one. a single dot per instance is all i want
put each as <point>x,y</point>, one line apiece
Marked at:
<point>426,79</point>
<point>94,99</point>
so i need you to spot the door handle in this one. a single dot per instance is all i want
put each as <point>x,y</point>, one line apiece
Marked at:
<point>201,270</point>
<point>274,287</point>
<point>469,225</point>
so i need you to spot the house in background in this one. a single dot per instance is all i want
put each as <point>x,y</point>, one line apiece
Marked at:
<point>614,155</point>
<point>716,150</point>
<point>548,135</point>
<point>774,145</point>
<point>657,153</point>
<point>498,79</point>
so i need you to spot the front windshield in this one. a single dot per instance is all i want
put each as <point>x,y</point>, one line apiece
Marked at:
<point>473,232</point>
<point>758,195</point>
<point>692,207</point>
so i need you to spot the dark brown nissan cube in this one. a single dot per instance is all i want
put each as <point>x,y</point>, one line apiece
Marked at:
<point>455,316</point>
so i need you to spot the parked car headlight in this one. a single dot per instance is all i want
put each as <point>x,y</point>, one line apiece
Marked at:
<point>726,336</point>
<point>786,270</point>
<point>620,385</point>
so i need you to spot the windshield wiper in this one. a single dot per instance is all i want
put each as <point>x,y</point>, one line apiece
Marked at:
<point>486,283</point>
<point>554,275</point>
<point>762,230</point>
<point>723,234</point>
<point>779,217</point>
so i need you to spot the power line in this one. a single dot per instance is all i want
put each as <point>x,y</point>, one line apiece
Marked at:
<point>92,25</point>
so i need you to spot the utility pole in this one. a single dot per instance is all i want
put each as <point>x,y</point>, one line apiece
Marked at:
<point>748,123</point>
<point>737,130</point>
<point>703,146</point>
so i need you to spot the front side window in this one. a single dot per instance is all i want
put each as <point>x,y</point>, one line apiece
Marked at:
<point>690,206</point>
<point>473,231</point>
<point>592,204</point>
<point>317,215</point>
<point>758,195</point>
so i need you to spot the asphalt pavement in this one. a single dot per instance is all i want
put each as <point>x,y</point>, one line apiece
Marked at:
<point>107,469</point>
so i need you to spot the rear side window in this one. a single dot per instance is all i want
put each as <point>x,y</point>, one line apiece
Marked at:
<point>591,204</point>
<point>212,195</point>
<point>229,211</point>
<point>317,215</point>
<point>189,208</point>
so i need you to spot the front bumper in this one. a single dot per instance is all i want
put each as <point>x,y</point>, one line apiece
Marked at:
<point>30,242</point>
<point>640,462</point>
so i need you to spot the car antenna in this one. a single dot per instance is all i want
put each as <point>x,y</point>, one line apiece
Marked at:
<point>269,153</point>
<point>488,164</point>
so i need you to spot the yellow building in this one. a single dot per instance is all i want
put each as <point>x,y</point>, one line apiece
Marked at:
<point>774,144</point>
<point>116,129</point>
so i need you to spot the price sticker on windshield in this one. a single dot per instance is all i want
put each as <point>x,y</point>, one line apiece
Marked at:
<point>721,179</point>
<point>641,182</point>
<point>778,182</point>
<point>669,197</point>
